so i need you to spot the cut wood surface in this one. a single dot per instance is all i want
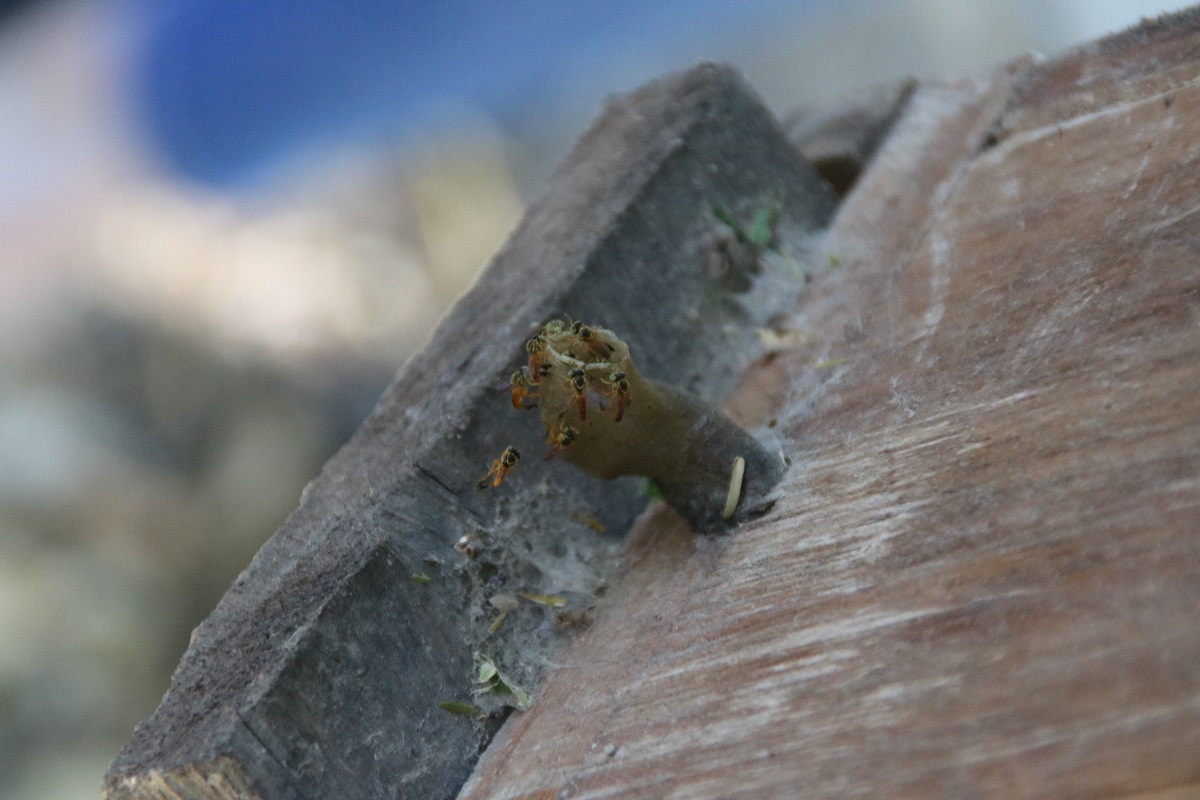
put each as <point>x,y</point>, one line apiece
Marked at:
<point>321,671</point>
<point>983,579</point>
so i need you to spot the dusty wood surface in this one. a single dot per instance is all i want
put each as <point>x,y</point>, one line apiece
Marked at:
<point>840,142</point>
<point>984,579</point>
<point>320,672</point>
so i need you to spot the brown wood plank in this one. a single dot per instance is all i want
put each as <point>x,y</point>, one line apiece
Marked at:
<point>984,578</point>
<point>1153,59</point>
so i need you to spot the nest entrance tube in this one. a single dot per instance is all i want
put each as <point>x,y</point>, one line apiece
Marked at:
<point>603,416</point>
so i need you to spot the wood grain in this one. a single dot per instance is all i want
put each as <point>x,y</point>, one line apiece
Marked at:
<point>984,577</point>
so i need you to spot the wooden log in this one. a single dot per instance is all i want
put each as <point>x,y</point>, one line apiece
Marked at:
<point>321,671</point>
<point>984,577</point>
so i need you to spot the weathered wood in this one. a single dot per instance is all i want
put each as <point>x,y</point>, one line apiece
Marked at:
<point>840,142</point>
<point>984,579</point>
<point>320,672</point>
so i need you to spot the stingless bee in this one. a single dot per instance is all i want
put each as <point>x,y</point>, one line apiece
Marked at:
<point>535,348</point>
<point>523,395</point>
<point>619,393</point>
<point>561,440</point>
<point>594,345</point>
<point>579,382</point>
<point>500,468</point>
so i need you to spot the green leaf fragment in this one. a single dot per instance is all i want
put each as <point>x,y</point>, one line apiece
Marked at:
<point>418,577</point>
<point>762,229</point>
<point>652,491</point>
<point>497,622</point>
<point>552,600</point>
<point>830,363</point>
<point>462,709</point>
<point>492,680</point>
<point>727,218</point>
<point>523,701</point>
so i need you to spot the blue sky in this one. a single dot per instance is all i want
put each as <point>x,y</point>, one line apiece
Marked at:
<point>228,87</point>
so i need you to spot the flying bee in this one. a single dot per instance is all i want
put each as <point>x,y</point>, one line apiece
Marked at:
<point>561,440</point>
<point>619,393</point>
<point>579,382</point>
<point>523,396</point>
<point>500,468</point>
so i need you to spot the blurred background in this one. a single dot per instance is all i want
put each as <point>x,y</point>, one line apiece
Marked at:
<point>223,227</point>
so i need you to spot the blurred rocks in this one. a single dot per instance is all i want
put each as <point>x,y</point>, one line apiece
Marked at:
<point>139,472</point>
<point>175,366</point>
